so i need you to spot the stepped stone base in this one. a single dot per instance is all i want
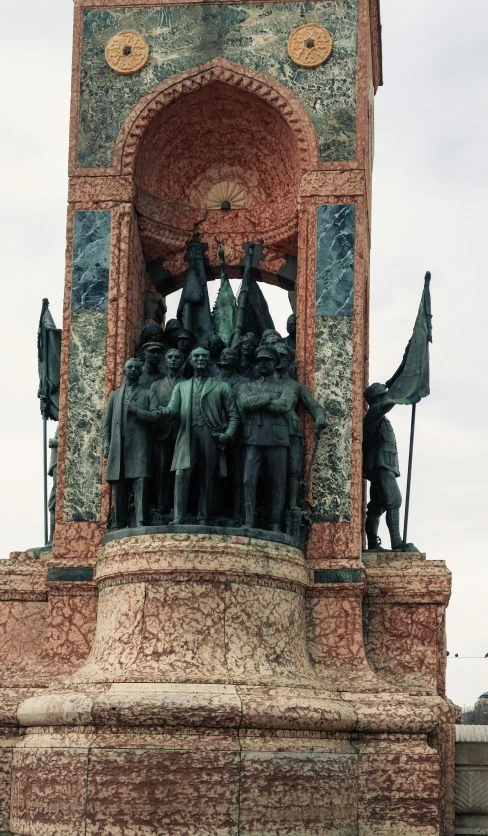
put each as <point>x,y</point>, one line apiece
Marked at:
<point>221,690</point>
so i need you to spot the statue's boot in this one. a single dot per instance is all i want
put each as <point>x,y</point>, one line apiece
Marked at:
<point>393,523</point>
<point>372,525</point>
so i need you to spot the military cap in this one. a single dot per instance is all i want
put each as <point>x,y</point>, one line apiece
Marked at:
<point>185,332</point>
<point>159,346</point>
<point>283,348</point>
<point>374,391</point>
<point>267,351</point>
<point>173,325</point>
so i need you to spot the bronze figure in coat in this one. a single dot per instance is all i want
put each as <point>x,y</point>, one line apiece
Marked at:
<point>164,432</point>
<point>127,444</point>
<point>208,419</point>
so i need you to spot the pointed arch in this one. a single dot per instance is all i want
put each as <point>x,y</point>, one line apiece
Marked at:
<point>226,72</point>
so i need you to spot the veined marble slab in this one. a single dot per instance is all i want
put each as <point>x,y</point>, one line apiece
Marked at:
<point>87,355</point>
<point>331,492</point>
<point>335,260</point>
<point>252,34</point>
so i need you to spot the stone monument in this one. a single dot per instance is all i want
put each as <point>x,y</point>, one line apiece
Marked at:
<point>209,669</point>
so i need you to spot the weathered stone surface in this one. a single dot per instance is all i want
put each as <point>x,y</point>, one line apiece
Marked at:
<point>39,806</point>
<point>398,785</point>
<point>297,794</point>
<point>333,388</point>
<point>254,35</point>
<point>334,286</point>
<point>182,793</point>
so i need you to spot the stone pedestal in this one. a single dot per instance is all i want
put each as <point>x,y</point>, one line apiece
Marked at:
<point>227,691</point>
<point>184,683</point>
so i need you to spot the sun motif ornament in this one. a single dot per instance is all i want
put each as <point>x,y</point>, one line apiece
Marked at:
<point>226,195</point>
<point>127,52</point>
<point>310,45</point>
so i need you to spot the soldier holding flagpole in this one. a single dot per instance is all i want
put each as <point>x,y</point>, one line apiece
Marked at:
<point>409,384</point>
<point>49,360</point>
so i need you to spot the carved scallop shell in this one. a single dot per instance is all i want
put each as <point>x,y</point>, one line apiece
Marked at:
<point>226,190</point>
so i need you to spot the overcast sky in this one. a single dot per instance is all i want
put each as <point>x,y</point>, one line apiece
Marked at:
<point>429,213</point>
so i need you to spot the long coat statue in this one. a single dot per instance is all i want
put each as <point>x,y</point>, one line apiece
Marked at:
<point>127,443</point>
<point>208,419</point>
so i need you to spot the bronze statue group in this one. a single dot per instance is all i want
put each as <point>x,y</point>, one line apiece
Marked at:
<point>205,429</point>
<point>200,433</point>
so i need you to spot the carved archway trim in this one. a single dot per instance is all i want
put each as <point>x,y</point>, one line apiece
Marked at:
<point>226,72</point>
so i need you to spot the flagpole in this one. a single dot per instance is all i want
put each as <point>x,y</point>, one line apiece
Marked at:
<point>44,438</point>
<point>409,478</point>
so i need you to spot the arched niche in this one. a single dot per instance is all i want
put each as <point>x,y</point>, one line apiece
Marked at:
<point>216,127</point>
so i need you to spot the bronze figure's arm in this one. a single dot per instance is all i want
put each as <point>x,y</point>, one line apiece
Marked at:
<point>312,406</point>
<point>174,406</point>
<point>249,401</point>
<point>107,425</point>
<point>231,411</point>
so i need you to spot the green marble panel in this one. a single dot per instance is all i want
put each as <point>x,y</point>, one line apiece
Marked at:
<point>331,491</point>
<point>86,374</point>
<point>254,35</point>
<point>70,574</point>
<point>86,399</point>
<point>337,576</point>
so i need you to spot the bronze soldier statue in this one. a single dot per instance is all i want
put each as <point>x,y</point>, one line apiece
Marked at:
<point>248,346</point>
<point>291,328</point>
<point>270,337</point>
<point>151,370</point>
<point>171,331</point>
<point>127,444</point>
<point>53,470</point>
<point>208,419</point>
<point>164,432</point>
<point>380,466</point>
<point>229,363</point>
<point>185,341</point>
<point>301,395</point>
<point>264,403</point>
<point>150,333</point>
<point>214,345</point>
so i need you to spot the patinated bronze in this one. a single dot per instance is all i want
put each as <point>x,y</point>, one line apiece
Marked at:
<point>164,432</point>
<point>380,466</point>
<point>53,470</point>
<point>127,445</point>
<point>248,346</point>
<point>264,404</point>
<point>301,395</point>
<point>151,370</point>
<point>208,419</point>
<point>226,414</point>
<point>291,329</point>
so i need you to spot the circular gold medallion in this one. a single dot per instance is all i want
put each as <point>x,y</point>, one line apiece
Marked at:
<point>127,52</point>
<point>310,45</point>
